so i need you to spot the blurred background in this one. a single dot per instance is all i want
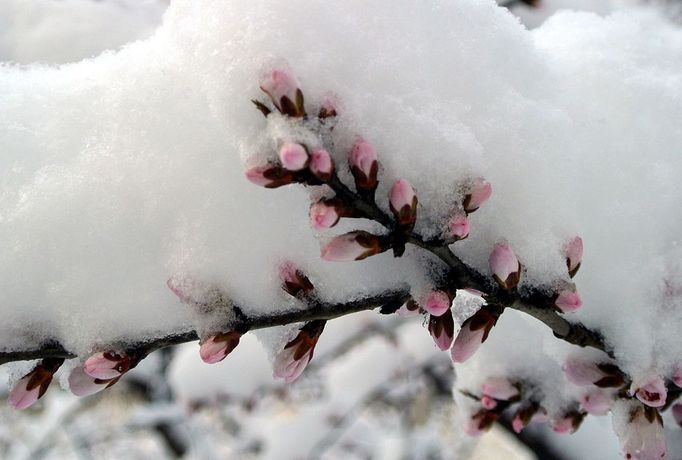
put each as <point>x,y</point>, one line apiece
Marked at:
<point>377,388</point>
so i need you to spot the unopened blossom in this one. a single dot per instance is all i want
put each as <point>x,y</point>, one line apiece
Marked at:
<point>321,164</point>
<point>480,193</point>
<point>33,385</point>
<point>216,347</point>
<point>294,281</point>
<point>567,423</point>
<point>473,333</point>
<point>568,301</point>
<point>480,422</point>
<point>293,359</point>
<point>364,166</point>
<point>283,89</point>
<point>574,255</point>
<point>355,245</point>
<point>409,308</point>
<point>650,389</point>
<point>524,415</point>
<point>488,402</point>
<point>437,302</point>
<point>505,267</point>
<point>677,376</point>
<point>108,365</point>
<point>499,388</point>
<point>596,402</point>
<point>82,384</point>
<point>586,372</point>
<point>403,203</point>
<point>269,176</point>
<point>326,213</point>
<point>293,156</point>
<point>442,329</point>
<point>640,431</point>
<point>458,227</point>
<point>677,413</point>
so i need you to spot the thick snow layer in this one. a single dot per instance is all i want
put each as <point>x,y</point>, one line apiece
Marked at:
<point>126,169</point>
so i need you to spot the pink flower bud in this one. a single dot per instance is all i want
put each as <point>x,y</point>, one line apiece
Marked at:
<point>294,281</point>
<point>217,347</point>
<point>650,390</point>
<point>459,227</point>
<point>527,413</point>
<point>33,385</point>
<point>269,176</point>
<point>473,333</point>
<point>283,89</point>
<point>568,301</point>
<point>355,245</point>
<point>293,359</point>
<point>479,194</point>
<point>480,422</point>
<point>574,255</point>
<point>442,329</point>
<point>677,413</point>
<point>437,303</point>
<point>488,402</point>
<point>586,373</point>
<point>321,164</point>
<point>640,431</point>
<point>596,402</point>
<point>403,203</point>
<point>677,376</point>
<point>294,157</point>
<point>324,214</point>
<point>563,425</point>
<point>364,165</point>
<point>518,424</point>
<point>499,388</point>
<point>107,365</point>
<point>409,308</point>
<point>505,266</point>
<point>81,384</point>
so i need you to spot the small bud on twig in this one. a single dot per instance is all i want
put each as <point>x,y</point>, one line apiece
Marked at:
<point>473,333</point>
<point>293,359</point>
<point>442,329</point>
<point>216,347</point>
<point>355,245</point>
<point>480,193</point>
<point>505,266</point>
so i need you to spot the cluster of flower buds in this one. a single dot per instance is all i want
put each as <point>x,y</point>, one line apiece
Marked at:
<point>31,387</point>
<point>640,431</point>
<point>297,165</point>
<point>293,359</point>
<point>473,333</point>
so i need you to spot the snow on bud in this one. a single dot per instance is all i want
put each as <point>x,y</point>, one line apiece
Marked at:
<point>437,303</point>
<point>364,165</point>
<point>596,402</point>
<point>568,423</point>
<point>442,329</point>
<point>574,255</point>
<point>215,348</point>
<point>293,156</point>
<point>81,384</point>
<point>321,164</point>
<point>499,388</point>
<point>294,281</point>
<point>473,333</point>
<point>355,245</point>
<point>488,402</point>
<point>293,359</point>
<point>505,266</point>
<point>33,385</point>
<point>650,390</point>
<point>586,373</point>
<point>269,176</point>
<point>403,203</point>
<point>107,365</point>
<point>568,301</point>
<point>283,89</point>
<point>480,422</point>
<point>677,413</point>
<point>479,194</point>
<point>458,227</point>
<point>640,431</point>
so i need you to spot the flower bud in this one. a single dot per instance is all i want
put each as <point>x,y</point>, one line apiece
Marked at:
<point>650,389</point>
<point>524,415</point>
<point>677,376</point>
<point>568,301</point>
<point>364,166</point>
<point>33,385</point>
<point>586,373</point>
<point>488,403</point>
<point>283,89</point>
<point>596,402</point>
<point>677,413</point>
<point>500,388</point>
<point>574,255</point>
<point>326,213</point>
<point>355,245</point>
<point>409,308</point>
<point>293,359</point>
<point>480,193</point>
<point>108,365</point>
<point>269,176</point>
<point>215,348</point>
<point>442,329</point>
<point>437,303</point>
<point>403,203</point>
<point>505,266</point>
<point>458,227</point>
<point>81,384</point>
<point>473,333</point>
<point>294,281</point>
<point>480,422</point>
<point>293,156</point>
<point>640,431</point>
<point>321,164</point>
<point>568,423</point>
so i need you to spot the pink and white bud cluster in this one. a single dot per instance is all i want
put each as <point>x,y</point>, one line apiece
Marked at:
<point>403,203</point>
<point>216,347</point>
<point>473,333</point>
<point>505,266</point>
<point>364,166</point>
<point>33,385</point>
<point>293,359</point>
<point>296,165</point>
<point>351,246</point>
<point>283,89</point>
<point>640,431</point>
<point>650,389</point>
